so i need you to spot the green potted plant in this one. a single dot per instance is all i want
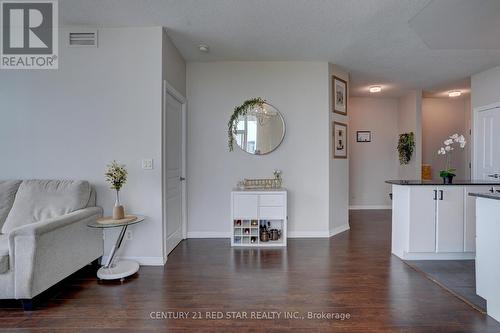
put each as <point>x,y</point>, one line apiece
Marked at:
<point>406,146</point>
<point>116,176</point>
<point>447,150</point>
<point>238,112</point>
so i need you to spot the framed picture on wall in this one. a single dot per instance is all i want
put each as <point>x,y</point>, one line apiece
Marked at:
<point>339,87</point>
<point>339,140</point>
<point>363,136</point>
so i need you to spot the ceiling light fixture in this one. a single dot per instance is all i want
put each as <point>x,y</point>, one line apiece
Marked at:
<point>375,89</point>
<point>455,93</point>
<point>204,48</point>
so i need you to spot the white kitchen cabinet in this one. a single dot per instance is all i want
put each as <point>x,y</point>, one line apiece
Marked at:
<point>470,218</point>
<point>450,219</point>
<point>434,221</point>
<point>422,233</point>
<point>488,247</point>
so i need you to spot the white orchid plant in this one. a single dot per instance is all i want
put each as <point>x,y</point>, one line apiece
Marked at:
<point>447,151</point>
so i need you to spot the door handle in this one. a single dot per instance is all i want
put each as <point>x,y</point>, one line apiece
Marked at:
<point>182,179</point>
<point>435,194</point>
<point>495,175</point>
<point>441,194</point>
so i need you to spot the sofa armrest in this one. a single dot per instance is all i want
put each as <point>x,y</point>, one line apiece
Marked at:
<point>45,252</point>
<point>48,225</point>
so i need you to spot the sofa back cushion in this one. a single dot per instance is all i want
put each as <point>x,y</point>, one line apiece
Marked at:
<point>38,200</point>
<point>8,190</point>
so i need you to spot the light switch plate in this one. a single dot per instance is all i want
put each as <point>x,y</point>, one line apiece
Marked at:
<point>147,164</point>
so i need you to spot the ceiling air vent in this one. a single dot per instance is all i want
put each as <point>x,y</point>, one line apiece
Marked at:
<point>83,39</point>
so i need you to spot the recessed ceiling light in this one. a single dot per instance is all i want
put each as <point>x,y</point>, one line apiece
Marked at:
<point>204,48</point>
<point>375,89</point>
<point>455,93</point>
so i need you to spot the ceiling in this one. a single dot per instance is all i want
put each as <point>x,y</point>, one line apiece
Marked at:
<point>399,44</point>
<point>442,90</point>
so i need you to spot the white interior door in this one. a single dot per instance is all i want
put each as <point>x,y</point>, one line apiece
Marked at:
<point>173,172</point>
<point>486,144</point>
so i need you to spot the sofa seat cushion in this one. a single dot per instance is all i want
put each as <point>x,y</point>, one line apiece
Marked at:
<point>38,200</point>
<point>4,254</point>
<point>8,190</point>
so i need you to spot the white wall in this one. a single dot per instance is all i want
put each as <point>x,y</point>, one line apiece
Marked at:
<point>300,91</point>
<point>442,117</point>
<point>102,104</point>
<point>372,163</point>
<point>338,168</point>
<point>410,120</point>
<point>174,65</point>
<point>485,87</point>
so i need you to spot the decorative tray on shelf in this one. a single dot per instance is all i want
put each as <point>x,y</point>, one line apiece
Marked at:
<point>263,183</point>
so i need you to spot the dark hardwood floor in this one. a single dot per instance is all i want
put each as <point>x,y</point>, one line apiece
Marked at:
<point>352,273</point>
<point>456,276</point>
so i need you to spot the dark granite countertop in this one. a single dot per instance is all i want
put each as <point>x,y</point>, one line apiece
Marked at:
<point>494,196</point>
<point>440,182</point>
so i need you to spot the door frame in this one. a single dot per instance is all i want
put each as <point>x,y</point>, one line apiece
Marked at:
<point>170,90</point>
<point>475,113</point>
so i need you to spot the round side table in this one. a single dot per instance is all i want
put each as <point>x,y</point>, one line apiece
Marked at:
<point>120,269</point>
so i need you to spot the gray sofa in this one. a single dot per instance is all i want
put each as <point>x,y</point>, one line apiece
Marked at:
<point>44,235</point>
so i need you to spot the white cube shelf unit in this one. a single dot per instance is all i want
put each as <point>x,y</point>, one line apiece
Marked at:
<point>251,209</point>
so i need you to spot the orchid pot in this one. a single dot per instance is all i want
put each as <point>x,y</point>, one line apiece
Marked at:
<point>447,150</point>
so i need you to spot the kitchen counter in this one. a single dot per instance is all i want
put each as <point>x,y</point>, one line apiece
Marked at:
<point>487,249</point>
<point>439,182</point>
<point>487,195</point>
<point>434,221</point>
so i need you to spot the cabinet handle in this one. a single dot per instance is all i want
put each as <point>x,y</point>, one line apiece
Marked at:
<point>440,194</point>
<point>435,194</point>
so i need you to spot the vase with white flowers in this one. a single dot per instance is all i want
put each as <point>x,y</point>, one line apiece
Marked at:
<point>449,146</point>
<point>116,176</point>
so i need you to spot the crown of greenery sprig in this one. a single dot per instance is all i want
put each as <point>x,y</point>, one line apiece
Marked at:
<point>116,175</point>
<point>238,112</point>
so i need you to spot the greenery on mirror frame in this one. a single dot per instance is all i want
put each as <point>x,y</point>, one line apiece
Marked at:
<point>406,146</point>
<point>238,112</point>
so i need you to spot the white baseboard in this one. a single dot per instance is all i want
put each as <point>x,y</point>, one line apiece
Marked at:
<point>208,234</point>
<point>291,234</point>
<point>439,256</point>
<point>338,230</point>
<point>143,261</point>
<point>308,234</point>
<point>362,207</point>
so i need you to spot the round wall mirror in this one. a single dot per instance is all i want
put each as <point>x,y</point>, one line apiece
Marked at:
<point>261,130</point>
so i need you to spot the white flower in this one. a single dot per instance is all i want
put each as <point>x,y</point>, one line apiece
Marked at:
<point>450,142</point>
